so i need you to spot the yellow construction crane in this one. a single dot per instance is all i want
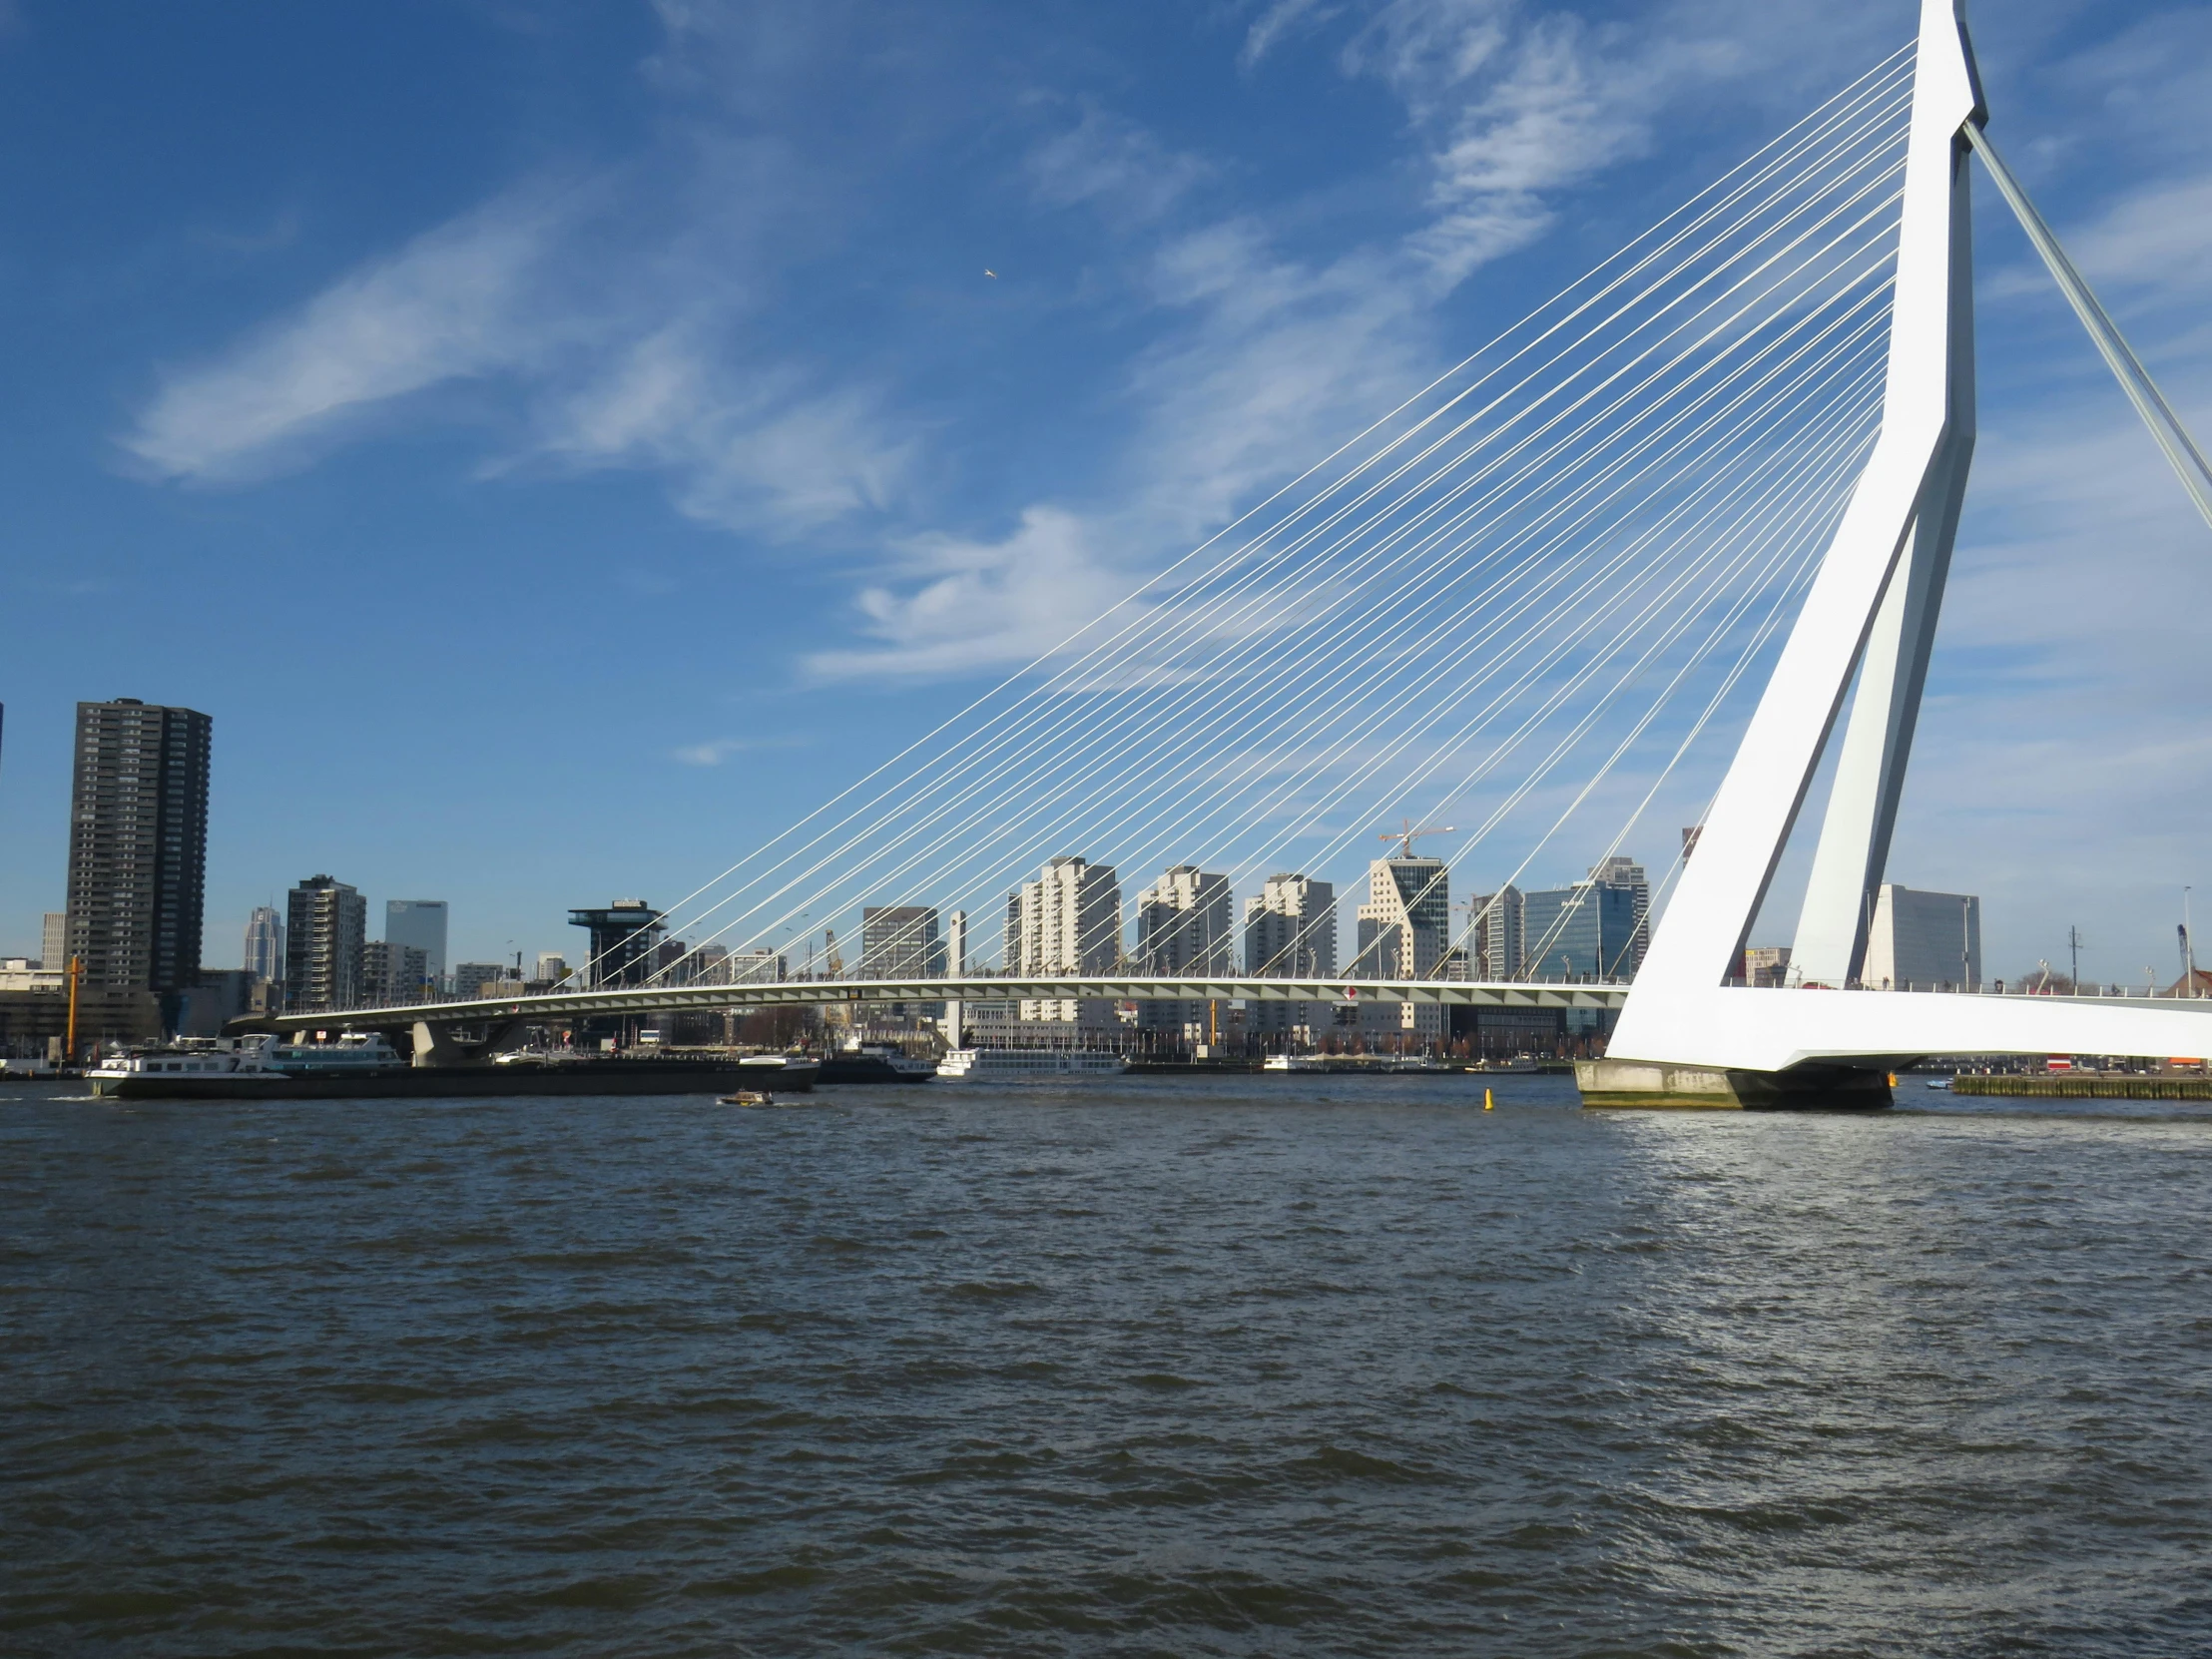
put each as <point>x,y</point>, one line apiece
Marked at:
<point>1405,833</point>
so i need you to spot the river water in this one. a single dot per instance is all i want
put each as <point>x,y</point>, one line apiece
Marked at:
<point>1150,1366</point>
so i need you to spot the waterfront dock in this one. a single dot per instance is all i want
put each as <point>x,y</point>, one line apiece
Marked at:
<point>2110,1085</point>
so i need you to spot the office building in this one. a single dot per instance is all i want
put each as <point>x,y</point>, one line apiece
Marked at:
<point>54,940</point>
<point>900,941</point>
<point>34,1014</point>
<point>1924,940</point>
<point>1767,966</point>
<point>265,943</point>
<point>755,968</point>
<point>325,927</point>
<point>623,938</point>
<point>138,845</point>
<point>472,981</point>
<point>1183,928</point>
<point>1584,932</point>
<point>1626,873</point>
<point>1405,929</point>
<point>1498,938</point>
<point>553,968</point>
<point>393,972</point>
<point>221,995</point>
<point>672,964</point>
<point>419,923</point>
<point>1067,921</point>
<point>1290,932</point>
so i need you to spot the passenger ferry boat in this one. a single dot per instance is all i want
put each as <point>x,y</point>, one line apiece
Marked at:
<point>1358,1066</point>
<point>366,1066</point>
<point>1006,1065</point>
<point>245,1063</point>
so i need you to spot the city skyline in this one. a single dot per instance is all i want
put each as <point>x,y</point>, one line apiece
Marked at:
<point>1099,208</point>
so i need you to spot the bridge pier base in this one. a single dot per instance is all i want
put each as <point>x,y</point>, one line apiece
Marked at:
<point>436,1046</point>
<point>1655,1083</point>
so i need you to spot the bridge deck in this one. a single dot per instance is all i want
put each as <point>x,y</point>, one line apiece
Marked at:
<point>816,993</point>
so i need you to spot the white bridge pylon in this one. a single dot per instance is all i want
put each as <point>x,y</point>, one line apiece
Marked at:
<point>1872,610</point>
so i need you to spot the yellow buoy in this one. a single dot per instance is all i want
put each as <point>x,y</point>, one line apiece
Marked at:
<point>1489,1102</point>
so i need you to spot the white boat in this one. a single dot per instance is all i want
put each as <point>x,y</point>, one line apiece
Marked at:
<point>994,1065</point>
<point>1365,1065</point>
<point>246,1060</point>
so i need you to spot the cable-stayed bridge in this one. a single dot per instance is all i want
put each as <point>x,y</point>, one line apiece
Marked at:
<point>1531,598</point>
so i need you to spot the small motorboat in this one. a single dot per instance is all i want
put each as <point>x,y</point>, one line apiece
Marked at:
<point>746,1097</point>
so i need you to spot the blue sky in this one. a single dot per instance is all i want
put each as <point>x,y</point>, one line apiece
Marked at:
<point>561,444</point>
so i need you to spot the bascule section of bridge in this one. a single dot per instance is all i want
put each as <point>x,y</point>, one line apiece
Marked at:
<point>1699,504</point>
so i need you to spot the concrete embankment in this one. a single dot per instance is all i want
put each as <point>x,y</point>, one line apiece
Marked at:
<point>2088,1086</point>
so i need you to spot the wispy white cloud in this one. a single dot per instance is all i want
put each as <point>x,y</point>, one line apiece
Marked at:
<point>1280,21</point>
<point>1112,162</point>
<point>658,345</point>
<point>1263,360</point>
<point>964,603</point>
<point>455,302</point>
<point>746,447</point>
<point>711,753</point>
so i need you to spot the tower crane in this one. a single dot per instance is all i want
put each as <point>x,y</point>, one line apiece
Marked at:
<point>1406,832</point>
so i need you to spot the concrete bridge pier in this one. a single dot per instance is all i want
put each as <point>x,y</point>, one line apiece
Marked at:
<point>439,1045</point>
<point>1813,1087</point>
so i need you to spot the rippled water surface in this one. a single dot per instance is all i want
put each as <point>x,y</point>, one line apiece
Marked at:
<point>1173,1365</point>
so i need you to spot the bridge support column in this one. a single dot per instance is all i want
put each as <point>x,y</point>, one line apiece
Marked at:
<point>1806,1088</point>
<point>436,1046</point>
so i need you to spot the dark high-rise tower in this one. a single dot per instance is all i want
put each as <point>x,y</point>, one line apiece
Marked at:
<point>325,927</point>
<point>138,845</point>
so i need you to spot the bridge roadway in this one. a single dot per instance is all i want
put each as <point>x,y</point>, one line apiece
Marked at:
<point>1870,1028</point>
<point>561,1006</point>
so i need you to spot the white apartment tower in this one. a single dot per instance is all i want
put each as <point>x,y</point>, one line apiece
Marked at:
<point>1066,921</point>
<point>1183,929</point>
<point>1290,931</point>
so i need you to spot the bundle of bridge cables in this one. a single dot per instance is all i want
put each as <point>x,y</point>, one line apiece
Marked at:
<point>1515,603</point>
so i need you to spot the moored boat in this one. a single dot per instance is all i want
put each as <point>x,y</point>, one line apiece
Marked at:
<point>864,1062</point>
<point>360,1066</point>
<point>995,1065</point>
<point>1355,1065</point>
